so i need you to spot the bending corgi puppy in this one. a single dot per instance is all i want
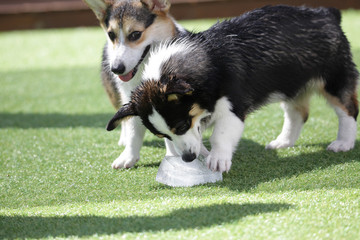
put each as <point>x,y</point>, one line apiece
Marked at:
<point>219,76</point>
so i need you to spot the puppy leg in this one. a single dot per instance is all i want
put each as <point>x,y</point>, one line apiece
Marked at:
<point>204,151</point>
<point>347,110</point>
<point>226,135</point>
<point>135,132</point>
<point>228,129</point>
<point>111,87</point>
<point>346,136</point>
<point>295,115</point>
<point>122,140</point>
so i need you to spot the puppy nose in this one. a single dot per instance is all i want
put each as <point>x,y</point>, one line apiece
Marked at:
<point>118,68</point>
<point>188,157</point>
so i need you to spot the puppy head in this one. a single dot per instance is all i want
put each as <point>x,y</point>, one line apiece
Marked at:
<point>131,27</point>
<point>168,109</point>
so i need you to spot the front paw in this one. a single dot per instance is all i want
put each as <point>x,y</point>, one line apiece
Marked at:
<point>341,146</point>
<point>279,143</point>
<point>219,161</point>
<point>125,160</point>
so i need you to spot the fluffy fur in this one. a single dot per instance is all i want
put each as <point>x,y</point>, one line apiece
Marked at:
<point>132,27</point>
<point>221,75</point>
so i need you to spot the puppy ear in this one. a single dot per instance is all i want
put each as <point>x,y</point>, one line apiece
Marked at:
<point>128,110</point>
<point>157,5</point>
<point>98,7</point>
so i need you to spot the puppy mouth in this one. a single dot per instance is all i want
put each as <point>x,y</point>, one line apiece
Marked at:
<point>130,75</point>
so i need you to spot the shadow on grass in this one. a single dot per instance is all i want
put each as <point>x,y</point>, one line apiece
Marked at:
<point>253,165</point>
<point>53,120</point>
<point>180,219</point>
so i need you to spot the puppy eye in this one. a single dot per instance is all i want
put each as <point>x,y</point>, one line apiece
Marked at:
<point>134,36</point>
<point>182,127</point>
<point>112,36</point>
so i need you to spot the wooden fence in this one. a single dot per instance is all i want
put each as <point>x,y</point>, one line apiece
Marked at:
<point>33,14</point>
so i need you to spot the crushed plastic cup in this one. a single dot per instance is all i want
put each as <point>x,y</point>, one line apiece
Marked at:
<point>175,172</point>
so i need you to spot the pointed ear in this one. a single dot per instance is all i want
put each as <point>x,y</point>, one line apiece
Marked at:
<point>175,89</point>
<point>98,6</point>
<point>157,5</point>
<point>128,110</point>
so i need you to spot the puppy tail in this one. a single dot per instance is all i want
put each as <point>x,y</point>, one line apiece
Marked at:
<point>336,13</point>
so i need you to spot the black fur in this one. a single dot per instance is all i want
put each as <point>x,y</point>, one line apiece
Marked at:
<point>269,50</point>
<point>273,51</point>
<point>139,14</point>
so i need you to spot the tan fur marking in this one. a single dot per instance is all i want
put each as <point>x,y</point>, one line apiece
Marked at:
<point>303,106</point>
<point>114,26</point>
<point>130,25</point>
<point>160,135</point>
<point>334,101</point>
<point>195,113</point>
<point>350,105</point>
<point>196,110</point>
<point>354,100</point>
<point>162,6</point>
<point>304,111</point>
<point>163,28</point>
<point>111,91</point>
<point>172,97</point>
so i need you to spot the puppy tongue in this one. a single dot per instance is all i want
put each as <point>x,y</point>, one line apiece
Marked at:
<point>127,77</point>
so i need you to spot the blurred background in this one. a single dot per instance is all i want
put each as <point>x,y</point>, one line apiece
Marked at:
<point>37,14</point>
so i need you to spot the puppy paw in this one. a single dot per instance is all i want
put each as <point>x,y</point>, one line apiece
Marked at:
<point>340,146</point>
<point>125,161</point>
<point>219,161</point>
<point>276,144</point>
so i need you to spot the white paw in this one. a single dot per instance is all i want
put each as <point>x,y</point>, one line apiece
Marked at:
<point>219,161</point>
<point>125,161</point>
<point>340,146</point>
<point>276,144</point>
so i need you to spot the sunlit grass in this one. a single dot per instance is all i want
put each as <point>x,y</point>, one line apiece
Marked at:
<point>55,157</point>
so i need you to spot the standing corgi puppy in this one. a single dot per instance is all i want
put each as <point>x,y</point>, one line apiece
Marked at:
<point>132,27</point>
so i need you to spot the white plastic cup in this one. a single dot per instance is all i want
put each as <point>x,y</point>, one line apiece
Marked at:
<point>175,172</point>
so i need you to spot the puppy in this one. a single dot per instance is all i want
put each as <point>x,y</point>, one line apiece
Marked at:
<point>131,27</point>
<point>221,75</point>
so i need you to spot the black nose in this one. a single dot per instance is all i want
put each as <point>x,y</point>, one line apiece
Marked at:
<point>188,157</point>
<point>118,68</point>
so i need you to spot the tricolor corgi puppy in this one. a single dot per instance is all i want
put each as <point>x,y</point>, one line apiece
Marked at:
<point>221,75</point>
<point>131,27</point>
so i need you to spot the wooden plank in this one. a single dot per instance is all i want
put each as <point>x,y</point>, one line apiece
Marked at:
<point>226,8</point>
<point>33,14</point>
<point>40,6</point>
<point>59,19</point>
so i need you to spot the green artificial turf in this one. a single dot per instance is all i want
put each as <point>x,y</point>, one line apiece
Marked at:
<point>55,157</point>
